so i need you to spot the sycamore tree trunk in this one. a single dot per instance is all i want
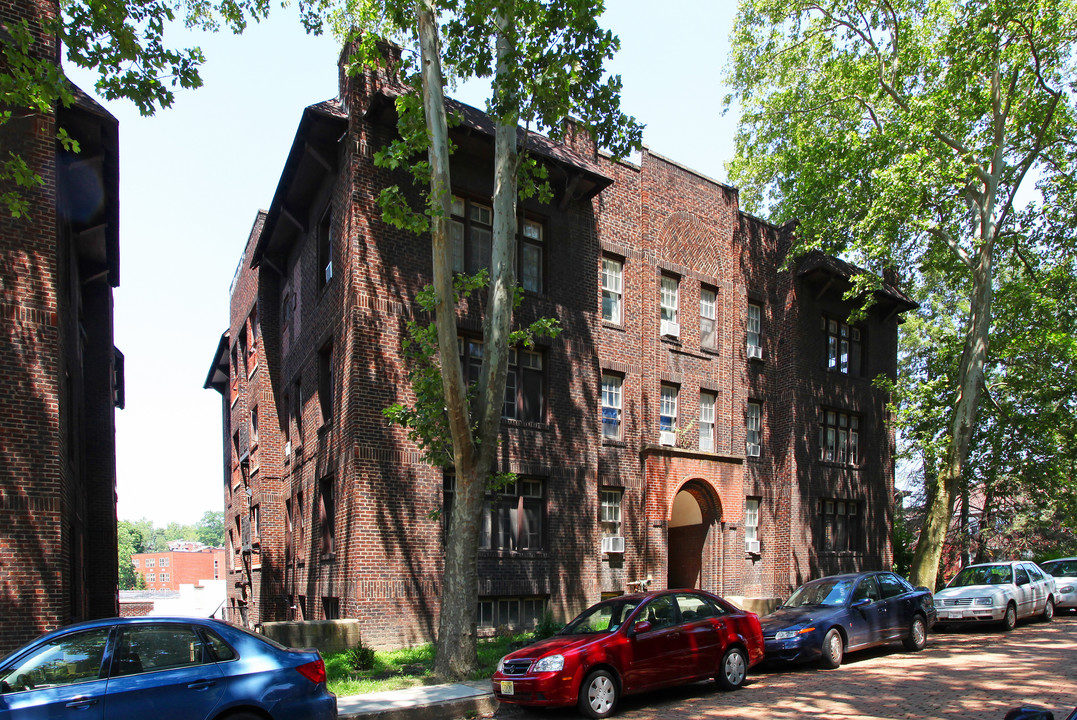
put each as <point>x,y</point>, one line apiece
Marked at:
<point>943,493</point>
<point>474,454</point>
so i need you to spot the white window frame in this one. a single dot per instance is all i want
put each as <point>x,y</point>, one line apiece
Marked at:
<point>753,422</point>
<point>670,305</point>
<point>751,522</point>
<point>668,409</point>
<point>610,516</point>
<point>612,400</point>
<point>707,403</point>
<point>754,328</point>
<point>612,290</point>
<point>708,310</point>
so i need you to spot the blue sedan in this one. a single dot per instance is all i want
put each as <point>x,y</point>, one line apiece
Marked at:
<point>164,669</point>
<point>826,618</point>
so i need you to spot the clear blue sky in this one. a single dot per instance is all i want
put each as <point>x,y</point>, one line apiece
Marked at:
<point>193,177</point>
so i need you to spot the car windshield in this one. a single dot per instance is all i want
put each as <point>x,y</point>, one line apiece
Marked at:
<point>982,575</point>
<point>830,592</point>
<point>1061,568</point>
<point>606,617</point>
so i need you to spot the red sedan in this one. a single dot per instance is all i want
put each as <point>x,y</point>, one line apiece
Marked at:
<point>633,643</point>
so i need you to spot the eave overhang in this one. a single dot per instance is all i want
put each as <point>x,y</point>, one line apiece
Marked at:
<point>218,376</point>
<point>827,273</point>
<point>313,156</point>
<point>587,176</point>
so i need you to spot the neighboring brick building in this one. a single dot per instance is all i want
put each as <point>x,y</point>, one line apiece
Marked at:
<point>167,570</point>
<point>62,376</point>
<point>706,418</point>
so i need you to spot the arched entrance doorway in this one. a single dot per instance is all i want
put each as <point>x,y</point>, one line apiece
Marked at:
<point>695,511</point>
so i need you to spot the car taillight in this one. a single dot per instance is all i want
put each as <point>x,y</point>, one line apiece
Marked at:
<point>313,671</point>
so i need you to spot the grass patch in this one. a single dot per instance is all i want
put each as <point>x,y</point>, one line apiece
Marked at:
<point>407,667</point>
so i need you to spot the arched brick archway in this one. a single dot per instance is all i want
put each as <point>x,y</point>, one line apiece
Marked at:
<point>693,560</point>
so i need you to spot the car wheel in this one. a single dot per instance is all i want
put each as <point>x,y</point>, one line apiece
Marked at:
<point>917,637</point>
<point>733,670</point>
<point>1049,610</point>
<point>833,648</point>
<point>1009,620</point>
<point>598,695</point>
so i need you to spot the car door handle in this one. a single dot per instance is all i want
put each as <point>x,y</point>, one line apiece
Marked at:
<point>200,685</point>
<point>81,703</point>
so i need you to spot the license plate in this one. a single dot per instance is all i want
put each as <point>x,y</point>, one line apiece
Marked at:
<point>506,687</point>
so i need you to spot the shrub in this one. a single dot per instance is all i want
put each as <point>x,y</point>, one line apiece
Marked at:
<point>546,626</point>
<point>360,658</point>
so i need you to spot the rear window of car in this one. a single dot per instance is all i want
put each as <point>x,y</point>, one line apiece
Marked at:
<point>1061,568</point>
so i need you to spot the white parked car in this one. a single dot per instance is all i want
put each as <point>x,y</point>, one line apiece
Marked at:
<point>1065,574</point>
<point>997,592</point>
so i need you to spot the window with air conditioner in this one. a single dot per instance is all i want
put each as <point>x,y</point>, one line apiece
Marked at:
<point>670,324</point>
<point>754,331</point>
<point>751,525</point>
<point>610,520</point>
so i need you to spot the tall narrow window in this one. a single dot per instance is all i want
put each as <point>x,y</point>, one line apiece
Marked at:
<point>610,520</point>
<point>327,516</point>
<point>708,312</point>
<point>839,522</point>
<point>325,247</point>
<point>297,411</point>
<point>255,334</point>
<point>611,406</point>
<point>254,425</point>
<point>754,429</point>
<point>751,525</point>
<point>612,288</point>
<point>843,347</point>
<point>839,438</point>
<point>755,331</point>
<point>325,382</point>
<point>706,421</point>
<point>531,245</point>
<point>668,415</point>
<point>669,305</point>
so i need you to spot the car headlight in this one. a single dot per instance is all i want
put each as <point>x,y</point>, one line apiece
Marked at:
<point>550,663</point>
<point>786,634</point>
<point>501,665</point>
<point>985,601</point>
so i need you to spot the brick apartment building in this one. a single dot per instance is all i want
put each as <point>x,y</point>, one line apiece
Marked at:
<point>168,570</point>
<point>706,418</point>
<point>62,375</point>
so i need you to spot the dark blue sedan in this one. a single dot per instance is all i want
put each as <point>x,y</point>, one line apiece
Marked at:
<point>162,669</point>
<point>826,618</point>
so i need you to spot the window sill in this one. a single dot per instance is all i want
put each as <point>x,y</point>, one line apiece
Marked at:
<point>328,557</point>
<point>525,424</point>
<point>711,351</point>
<point>515,554</point>
<point>670,340</point>
<point>839,465</point>
<point>610,325</point>
<point>614,443</point>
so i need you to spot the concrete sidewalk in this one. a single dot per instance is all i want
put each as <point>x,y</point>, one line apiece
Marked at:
<point>426,702</point>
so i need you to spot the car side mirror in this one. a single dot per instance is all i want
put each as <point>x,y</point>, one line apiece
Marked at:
<point>862,602</point>
<point>642,626</point>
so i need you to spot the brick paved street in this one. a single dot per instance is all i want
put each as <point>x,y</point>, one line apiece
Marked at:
<point>973,673</point>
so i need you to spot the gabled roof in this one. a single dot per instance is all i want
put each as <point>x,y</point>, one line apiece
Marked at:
<point>217,378</point>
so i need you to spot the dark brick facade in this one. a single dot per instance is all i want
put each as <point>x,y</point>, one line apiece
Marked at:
<point>62,375</point>
<point>336,516</point>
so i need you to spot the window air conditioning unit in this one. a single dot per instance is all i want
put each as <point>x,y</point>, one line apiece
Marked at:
<point>667,438</point>
<point>753,449</point>
<point>615,544</point>
<point>670,328</point>
<point>755,352</point>
<point>751,546</point>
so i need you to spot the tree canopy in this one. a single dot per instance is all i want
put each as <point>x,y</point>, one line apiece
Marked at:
<point>908,134</point>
